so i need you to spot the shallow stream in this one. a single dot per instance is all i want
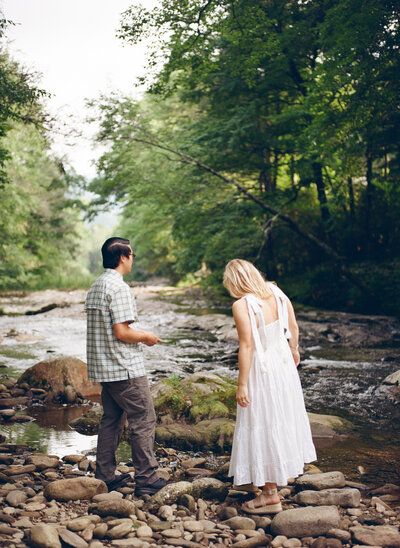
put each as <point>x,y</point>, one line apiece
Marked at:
<point>336,380</point>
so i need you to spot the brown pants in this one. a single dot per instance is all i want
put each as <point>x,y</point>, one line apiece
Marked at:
<point>129,399</point>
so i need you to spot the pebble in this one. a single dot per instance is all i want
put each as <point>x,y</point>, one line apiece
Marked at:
<point>278,541</point>
<point>292,543</point>
<point>144,531</point>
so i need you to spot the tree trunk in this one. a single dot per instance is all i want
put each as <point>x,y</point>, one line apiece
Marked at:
<point>369,213</point>
<point>323,202</point>
<point>351,200</point>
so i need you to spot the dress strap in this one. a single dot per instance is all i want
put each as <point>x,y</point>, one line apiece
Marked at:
<point>283,314</point>
<point>254,307</point>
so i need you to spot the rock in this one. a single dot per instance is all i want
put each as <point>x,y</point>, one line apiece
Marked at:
<point>189,503</point>
<point>394,378</point>
<point>240,522</point>
<point>130,543</point>
<point>73,459</point>
<point>44,536</point>
<point>7,413</point>
<point>144,531</point>
<point>171,492</point>
<point>16,469</point>
<point>292,543</point>
<point>121,530</point>
<point>74,489</point>
<point>55,375</point>
<point>119,508</point>
<point>376,535</point>
<point>114,495</point>
<point>327,480</point>
<point>259,540</point>
<point>72,539</point>
<point>208,435</point>
<point>16,497</point>
<point>210,488</point>
<point>340,534</point>
<point>199,472</point>
<point>79,524</point>
<point>41,462</point>
<point>193,526</point>
<point>226,512</point>
<point>323,542</point>
<point>6,403</point>
<point>166,512</point>
<point>100,530</point>
<point>278,541</point>
<point>348,498</point>
<point>172,533</point>
<point>193,463</point>
<point>301,522</point>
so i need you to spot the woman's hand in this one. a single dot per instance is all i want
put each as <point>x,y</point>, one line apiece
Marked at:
<point>242,396</point>
<point>296,356</point>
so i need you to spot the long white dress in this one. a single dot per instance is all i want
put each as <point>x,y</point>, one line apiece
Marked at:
<point>272,438</point>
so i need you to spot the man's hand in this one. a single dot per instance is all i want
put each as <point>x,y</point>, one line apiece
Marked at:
<point>150,338</point>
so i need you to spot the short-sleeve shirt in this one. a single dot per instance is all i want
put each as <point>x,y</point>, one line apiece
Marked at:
<point>108,302</point>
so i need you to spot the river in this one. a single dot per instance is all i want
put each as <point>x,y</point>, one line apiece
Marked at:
<point>338,377</point>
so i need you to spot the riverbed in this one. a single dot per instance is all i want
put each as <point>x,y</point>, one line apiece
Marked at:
<point>345,358</point>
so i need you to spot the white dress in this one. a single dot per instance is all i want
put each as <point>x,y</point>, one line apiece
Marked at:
<point>272,438</point>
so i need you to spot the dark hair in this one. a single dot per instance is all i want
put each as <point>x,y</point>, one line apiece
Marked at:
<point>112,250</point>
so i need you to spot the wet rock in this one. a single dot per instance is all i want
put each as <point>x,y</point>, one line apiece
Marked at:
<point>376,535</point>
<point>208,435</point>
<point>327,480</point>
<point>119,508</point>
<point>73,459</point>
<point>6,403</point>
<point>41,462</point>
<point>44,536</point>
<point>240,522</point>
<point>199,472</point>
<point>16,469</point>
<point>210,488</point>
<point>348,498</point>
<point>193,463</point>
<point>300,522</point>
<point>74,489</point>
<point>71,539</point>
<point>56,375</point>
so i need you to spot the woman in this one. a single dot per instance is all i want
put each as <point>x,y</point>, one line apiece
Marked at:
<point>272,439</point>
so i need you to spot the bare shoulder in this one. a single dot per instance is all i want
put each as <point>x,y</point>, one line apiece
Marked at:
<point>239,305</point>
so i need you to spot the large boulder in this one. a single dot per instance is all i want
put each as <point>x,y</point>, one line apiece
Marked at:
<point>64,377</point>
<point>309,521</point>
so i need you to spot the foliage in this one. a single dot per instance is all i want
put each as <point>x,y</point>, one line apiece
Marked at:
<point>298,101</point>
<point>37,214</point>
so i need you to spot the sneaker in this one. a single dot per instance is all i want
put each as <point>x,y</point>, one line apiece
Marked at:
<point>150,489</point>
<point>118,481</point>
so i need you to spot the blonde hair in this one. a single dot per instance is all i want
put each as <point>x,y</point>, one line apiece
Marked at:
<point>242,277</point>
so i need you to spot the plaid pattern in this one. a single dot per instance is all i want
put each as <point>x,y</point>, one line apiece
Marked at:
<point>110,301</point>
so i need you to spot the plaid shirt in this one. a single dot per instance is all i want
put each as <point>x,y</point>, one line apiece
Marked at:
<point>110,301</point>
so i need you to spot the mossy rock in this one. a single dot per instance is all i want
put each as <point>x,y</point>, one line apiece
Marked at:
<point>209,435</point>
<point>200,396</point>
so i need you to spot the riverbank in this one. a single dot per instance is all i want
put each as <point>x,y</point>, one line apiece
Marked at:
<point>47,502</point>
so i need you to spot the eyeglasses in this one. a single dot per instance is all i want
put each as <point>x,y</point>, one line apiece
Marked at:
<point>131,254</point>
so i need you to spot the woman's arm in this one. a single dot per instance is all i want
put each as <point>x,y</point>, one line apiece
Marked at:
<point>294,329</point>
<point>243,326</point>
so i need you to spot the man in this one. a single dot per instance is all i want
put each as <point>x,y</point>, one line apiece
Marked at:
<point>115,359</point>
